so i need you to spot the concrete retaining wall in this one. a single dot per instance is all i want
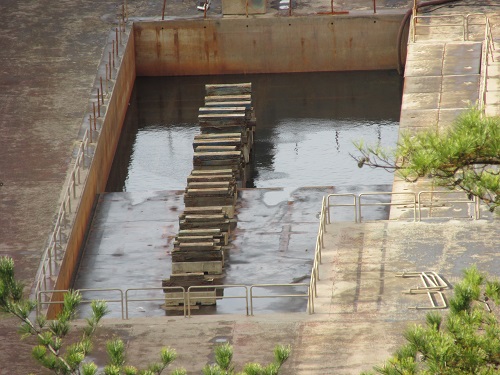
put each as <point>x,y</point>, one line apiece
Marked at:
<point>266,45</point>
<point>99,170</point>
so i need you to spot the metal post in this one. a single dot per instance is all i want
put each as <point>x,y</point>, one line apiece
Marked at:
<point>246,8</point>
<point>163,10</point>
<point>98,105</point>
<point>109,63</point>
<point>113,54</point>
<point>107,79</point>
<point>290,8</point>
<point>116,41</point>
<point>102,91</point>
<point>90,128</point>
<point>374,6</point>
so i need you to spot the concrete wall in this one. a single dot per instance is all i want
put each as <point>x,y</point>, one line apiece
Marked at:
<point>240,7</point>
<point>266,45</point>
<point>99,170</point>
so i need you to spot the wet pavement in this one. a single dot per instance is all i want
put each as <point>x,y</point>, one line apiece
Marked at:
<point>131,238</point>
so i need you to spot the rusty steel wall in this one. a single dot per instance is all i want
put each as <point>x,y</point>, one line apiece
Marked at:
<point>266,45</point>
<point>97,177</point>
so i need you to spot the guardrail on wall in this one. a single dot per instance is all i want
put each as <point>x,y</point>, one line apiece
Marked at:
<point>415,201</point>
<point>464,23</point>
<point>248,296</point>
<point>54,253</point>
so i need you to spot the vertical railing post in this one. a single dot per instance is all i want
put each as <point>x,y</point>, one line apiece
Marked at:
<point>163,10</point>
<point>90,127</point>
<point>374,6</point>
<point>102,91</point>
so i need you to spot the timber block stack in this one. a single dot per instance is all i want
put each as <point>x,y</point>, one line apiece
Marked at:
<point>222,152</point>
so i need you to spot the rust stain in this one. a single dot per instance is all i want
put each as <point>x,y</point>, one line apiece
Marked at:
<point>158,42</point>
<point>176,46</point>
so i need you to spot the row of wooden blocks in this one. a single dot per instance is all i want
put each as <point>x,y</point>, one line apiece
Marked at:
<point>221,152</point>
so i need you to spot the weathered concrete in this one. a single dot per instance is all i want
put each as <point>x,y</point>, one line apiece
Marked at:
<point>50,51</point>
<point>443,78</point>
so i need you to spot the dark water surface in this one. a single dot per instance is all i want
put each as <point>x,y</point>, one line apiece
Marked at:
<point>306,125</point>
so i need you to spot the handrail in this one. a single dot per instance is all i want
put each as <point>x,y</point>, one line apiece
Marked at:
<point>252,296</point>
<point>215,296</point>
<point>391,203</point>
<point>51,256</point>
<point>487,53</point>
<point>465,23</point>
<point>422,204</point>
<point>323,219</point>
<point>180,288</point>
<point>342,205</point>
<point>186,296</point>
<point>39,302</point>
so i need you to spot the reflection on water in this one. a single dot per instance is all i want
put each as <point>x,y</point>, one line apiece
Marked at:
<point>306,125</point>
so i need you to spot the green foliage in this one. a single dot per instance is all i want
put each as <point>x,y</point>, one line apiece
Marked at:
<point>466,156</point>
<point>281,353</point>
<point>52,353</point>
<point>224,356</point>
<point>116,352</point>
<point>466,341</point>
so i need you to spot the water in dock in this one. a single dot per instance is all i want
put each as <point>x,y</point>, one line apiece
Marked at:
<point>306,124</point>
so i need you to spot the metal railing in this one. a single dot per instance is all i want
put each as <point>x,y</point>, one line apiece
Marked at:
<point>54,252</point>
<point>415,201</point>
<point>464,23</point>
<point>487,53</point>
<point>39,301</point>
<point>215,296</point>
<point>192,293</point>
<point>315,276</point>
<point>253,296</point>
<point>412,203</point>
<point>433,202</point>
<point>164,298</point>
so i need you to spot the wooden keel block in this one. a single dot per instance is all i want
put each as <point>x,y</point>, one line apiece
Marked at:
<point>228,89</point>
<point>207,268</point>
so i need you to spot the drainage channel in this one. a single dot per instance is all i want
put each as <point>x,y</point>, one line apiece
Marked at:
<point>306,126</point>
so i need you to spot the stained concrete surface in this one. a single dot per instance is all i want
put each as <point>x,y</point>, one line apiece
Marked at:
<point>360,312</point>
<point>131,238</point>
